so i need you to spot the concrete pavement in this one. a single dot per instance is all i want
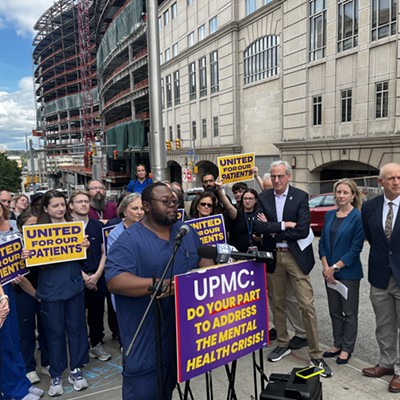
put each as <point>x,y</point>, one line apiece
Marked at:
<point>105,379</point>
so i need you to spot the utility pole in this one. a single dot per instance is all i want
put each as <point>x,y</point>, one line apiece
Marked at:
<point>33,170</point>
<point>158,157</point>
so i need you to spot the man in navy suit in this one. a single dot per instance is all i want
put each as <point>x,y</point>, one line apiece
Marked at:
<point>382,230</point>
<point>283,217</point>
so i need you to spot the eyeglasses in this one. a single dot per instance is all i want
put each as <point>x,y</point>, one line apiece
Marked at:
<point>209,205</point>
<point>5,201</point>
<point>280,177</point>
<point>167,202</point>
<point>81,202</point>
<point>96,188</point>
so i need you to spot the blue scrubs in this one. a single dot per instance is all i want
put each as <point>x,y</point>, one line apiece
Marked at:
<point>61,291</point>
<point>140,252</point>
<point>14,383</point>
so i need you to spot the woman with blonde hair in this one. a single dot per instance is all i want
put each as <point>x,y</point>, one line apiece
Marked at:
<point>340,246</point>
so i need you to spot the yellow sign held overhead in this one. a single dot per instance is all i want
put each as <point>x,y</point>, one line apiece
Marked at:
<point>236,168</point>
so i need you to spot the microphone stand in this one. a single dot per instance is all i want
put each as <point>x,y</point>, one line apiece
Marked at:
<point>156,291</point>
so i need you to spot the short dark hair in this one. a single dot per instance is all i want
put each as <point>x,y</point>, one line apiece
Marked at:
<point>148,190</point>
<point>239,186</point>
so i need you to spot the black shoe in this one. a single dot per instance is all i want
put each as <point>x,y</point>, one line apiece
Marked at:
<point>331,354</point>
<point>272,334</point>
<point>297,342</point>
<point>342,361</point>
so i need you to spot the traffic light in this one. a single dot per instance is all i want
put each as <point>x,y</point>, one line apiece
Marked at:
<point>90,158</point>
<point>115,154</point>
<point>178,144</point>
<point>168,145</point>
<point>36,179</point>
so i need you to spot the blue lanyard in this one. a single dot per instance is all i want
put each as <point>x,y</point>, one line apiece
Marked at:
<point>249,222</point>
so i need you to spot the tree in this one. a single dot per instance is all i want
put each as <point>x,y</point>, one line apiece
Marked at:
<point>10,175</point>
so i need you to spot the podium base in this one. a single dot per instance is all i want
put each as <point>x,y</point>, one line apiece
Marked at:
<point>289,386</point>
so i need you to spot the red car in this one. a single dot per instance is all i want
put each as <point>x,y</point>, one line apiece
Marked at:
<point>319,205</point>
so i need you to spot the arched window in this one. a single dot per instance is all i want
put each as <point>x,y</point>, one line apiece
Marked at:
<point>261,59</point>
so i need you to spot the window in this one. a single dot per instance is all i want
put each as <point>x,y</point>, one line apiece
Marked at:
<point>161,58</point>
<point>347,24</point>
<point>192,81</point>
<point>171,136</point>
<point>383,18</point>
<point>204,128</point>
<point>174,11</point>
<point>215,126</point>
<point>162,94</point>
<point>189,2</point>
<point>160,24</point>
<point>346,105</point>
<point>166,18</point>
<point>250,6</point>
<point>177,88</point>
<point>382,99</point>
<point>190,39</point>
<point>213,25</point>
<point>214,66</point>
<point>194,135</point>
<point>167,55</point>
<point>203,76</point>
<point>317,110</point>
<point>201,32</point>
<point>169,90</point>
<point>267,1</point>
<point>261,59</point>
<point>317,29</point>
<point>178,131</point>
<point>175,50</point>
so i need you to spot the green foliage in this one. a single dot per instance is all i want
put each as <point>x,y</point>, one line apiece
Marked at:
<point>10,174</point>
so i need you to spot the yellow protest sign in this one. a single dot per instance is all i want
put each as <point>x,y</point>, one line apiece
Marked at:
<point>236,168</point>
<point>54,243</point>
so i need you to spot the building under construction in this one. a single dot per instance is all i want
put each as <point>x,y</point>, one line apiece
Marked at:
<point>78,45</point>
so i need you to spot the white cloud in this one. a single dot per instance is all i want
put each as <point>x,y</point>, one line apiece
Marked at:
<point>22,15</point>
<point>17,108</point>
<point>17,114</point>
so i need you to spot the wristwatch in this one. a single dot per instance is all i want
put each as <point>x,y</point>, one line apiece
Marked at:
<point>335,268</point>
<point>3,297</point>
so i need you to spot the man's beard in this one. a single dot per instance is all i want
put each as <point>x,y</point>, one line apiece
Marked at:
<point>164,219</point>
<point>99,202</point>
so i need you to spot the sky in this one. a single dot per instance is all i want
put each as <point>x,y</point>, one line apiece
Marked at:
<point>17,100</point>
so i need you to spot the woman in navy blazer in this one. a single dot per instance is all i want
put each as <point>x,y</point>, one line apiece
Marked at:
<point>340,246</point>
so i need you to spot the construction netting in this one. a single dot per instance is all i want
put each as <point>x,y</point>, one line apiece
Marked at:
<point>129,136</point>
<point>125,24</point>
<point>65,103</point>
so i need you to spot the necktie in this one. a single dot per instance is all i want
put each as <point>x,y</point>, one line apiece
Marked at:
<point>389,221</point>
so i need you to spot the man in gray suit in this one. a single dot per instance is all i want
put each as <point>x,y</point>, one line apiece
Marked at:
<point>283,217</point>
<point>382,229</point>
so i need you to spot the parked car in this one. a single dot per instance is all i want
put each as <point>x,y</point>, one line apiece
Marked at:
<point>319,205</point>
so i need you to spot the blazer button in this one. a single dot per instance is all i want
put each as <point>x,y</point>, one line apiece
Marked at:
<point>390,252</point>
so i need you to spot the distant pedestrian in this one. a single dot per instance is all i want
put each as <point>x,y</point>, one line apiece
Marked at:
<point>141,180</point>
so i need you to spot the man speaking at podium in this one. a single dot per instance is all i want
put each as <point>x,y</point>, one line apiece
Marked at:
<point>134,263</point>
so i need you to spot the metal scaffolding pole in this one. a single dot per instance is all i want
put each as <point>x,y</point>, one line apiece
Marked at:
<point>158,157</point>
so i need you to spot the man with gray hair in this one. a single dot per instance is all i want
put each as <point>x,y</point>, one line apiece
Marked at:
<point>283,217</point>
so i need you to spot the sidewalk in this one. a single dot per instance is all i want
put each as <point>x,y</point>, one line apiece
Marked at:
<point>105,379</point>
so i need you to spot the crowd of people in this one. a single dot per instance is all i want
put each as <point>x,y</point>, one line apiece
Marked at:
<point>65,304</point>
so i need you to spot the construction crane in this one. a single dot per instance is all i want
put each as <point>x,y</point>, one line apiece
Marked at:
<point>85,69</point>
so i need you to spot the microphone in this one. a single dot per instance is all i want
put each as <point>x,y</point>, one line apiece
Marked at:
<point>182,232</point>
<point>222,253</point>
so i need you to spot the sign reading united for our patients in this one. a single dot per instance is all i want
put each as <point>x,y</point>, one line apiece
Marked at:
<point>221,315</point>
<point>105,232</point>
<point>211,230</point>
<point>54,243</point>
<point>236,168</point>
<point>11,263</point>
